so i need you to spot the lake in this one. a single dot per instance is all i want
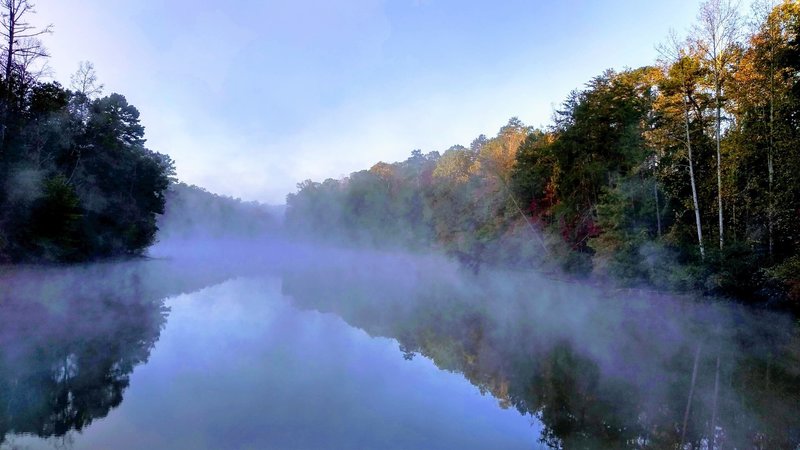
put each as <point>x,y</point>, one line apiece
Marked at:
<point>260,345</point>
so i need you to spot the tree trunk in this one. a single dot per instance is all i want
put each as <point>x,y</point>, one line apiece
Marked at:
<point>7,81</point>
<point>658,209</point>
<point>770,167</point>
<point>694,185</point>
<point>719,164</point>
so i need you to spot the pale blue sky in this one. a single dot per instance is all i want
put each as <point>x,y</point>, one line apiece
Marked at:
<point>251,97</point>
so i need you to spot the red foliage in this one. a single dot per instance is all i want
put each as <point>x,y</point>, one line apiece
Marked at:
<point>593,229</point>
<point>541,209</point>
<point>577,232</point>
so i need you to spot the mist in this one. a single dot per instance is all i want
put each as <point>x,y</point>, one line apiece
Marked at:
<point>625,275</point>
<point>334,320</point>
<point>349,321</point>
<point>566,363</point>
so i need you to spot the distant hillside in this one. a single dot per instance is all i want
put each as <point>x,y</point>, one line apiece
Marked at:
<point>192,211</point>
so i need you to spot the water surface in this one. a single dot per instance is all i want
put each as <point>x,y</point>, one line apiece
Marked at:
<point>303,348</point>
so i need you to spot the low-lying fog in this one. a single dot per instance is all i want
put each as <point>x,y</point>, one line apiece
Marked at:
<point>265,344</point>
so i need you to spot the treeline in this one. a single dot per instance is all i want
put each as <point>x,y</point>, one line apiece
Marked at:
<point>682,175</point>
<point>76,180</point>
<point>193,212</point>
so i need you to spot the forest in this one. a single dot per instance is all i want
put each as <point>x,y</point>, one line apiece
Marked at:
<point>78,182</point>
<point>191,212</point>
<point>625,276</point>
<point>683,175</point>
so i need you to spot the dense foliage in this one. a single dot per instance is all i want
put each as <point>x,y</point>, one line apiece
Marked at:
<point>683,175</point>
<point>76,180</point>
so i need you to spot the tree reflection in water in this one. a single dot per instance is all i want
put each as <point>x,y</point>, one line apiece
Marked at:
<point>597,369</point>
<point>67,348</point>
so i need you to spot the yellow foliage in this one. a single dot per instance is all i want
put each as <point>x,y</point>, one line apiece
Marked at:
<point>383,170</point>
<point>499,155</point>
<point>456,165</point>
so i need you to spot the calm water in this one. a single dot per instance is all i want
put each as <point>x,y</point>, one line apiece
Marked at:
<point>275,348</point>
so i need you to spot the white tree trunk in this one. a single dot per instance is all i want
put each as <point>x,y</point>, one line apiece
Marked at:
<point>658,209</point>
<point>694,185</point>
<point>719,172</point>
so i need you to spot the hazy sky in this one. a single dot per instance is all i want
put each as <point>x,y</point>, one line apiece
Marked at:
<point>251,97</point>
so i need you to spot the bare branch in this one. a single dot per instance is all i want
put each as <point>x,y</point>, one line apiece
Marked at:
<point>20,37</point>
<point>47,30</point>
<point>84,80</point>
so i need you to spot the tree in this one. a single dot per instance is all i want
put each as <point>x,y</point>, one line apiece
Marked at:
<point>597,138</point>
<point>21,47</point>
<point>717,35</point>
<point>122,182</point>
<point>682,68</point>
<point>84,81</point>
<point>457,165</point>
<point>771,33</point>
<point>760,93</point>
<point>497,156</point>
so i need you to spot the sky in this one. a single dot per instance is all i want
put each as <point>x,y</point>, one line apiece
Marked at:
<point>252,97</point>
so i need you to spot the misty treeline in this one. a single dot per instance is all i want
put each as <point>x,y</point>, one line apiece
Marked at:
<point>683,175</point>
<point>77,179</point>
<point>193,212</point>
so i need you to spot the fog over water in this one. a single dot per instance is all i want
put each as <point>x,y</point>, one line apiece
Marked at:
<point>484,230</point>
<point>264,344</point>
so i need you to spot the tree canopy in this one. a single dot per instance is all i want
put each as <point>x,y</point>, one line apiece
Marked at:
<point>78,181</point>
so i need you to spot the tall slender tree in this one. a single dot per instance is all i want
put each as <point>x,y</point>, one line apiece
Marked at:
<point>717,35</point>
<point>21,48</point>
<point>768,34</point>
<point>681,65</point>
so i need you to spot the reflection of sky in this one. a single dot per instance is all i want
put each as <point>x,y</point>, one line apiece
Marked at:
<point>238,367</point>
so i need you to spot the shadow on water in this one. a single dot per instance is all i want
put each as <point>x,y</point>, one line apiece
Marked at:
<point>599,369</point>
